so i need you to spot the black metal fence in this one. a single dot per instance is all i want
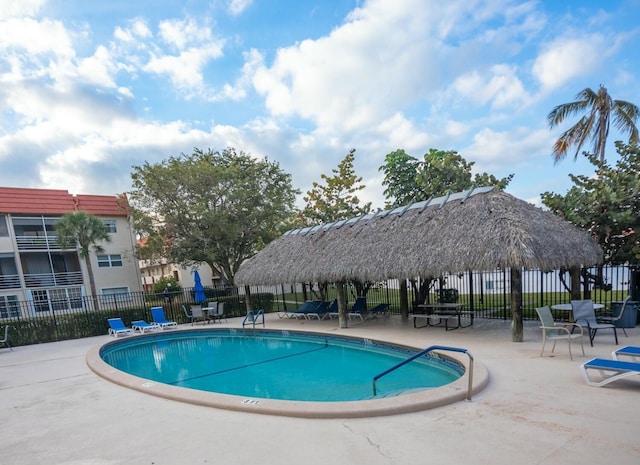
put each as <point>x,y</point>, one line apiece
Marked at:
<point>487,294</point>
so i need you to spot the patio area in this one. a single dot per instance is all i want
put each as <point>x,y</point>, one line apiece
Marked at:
<point>534,411</point>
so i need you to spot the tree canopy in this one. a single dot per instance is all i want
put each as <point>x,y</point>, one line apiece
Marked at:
<point>86,232</point>
<point>600,109</point>
<point>214,207</point>
<point>607,204</point>
<point>337,199</point>
<point>407,179</point>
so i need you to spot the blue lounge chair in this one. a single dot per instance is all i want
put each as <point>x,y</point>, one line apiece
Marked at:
<point>142,326</point>
<point>358,308</point>
<point>117,328</point>
<point>303,312</point>
<point>381,309</point>
<point>321,311</point>
<point>307,306</point>
<point>157,313</point>
<point>628,351</point>
<point>608,370</point>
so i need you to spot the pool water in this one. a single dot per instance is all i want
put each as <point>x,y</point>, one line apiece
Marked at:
<point>276,365</point>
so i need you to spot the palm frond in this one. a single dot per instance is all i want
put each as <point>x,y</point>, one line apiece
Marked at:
<point>625,115</point>
<point>561,112</point>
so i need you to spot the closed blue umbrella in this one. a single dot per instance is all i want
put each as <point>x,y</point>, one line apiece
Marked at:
<point>198,288</point>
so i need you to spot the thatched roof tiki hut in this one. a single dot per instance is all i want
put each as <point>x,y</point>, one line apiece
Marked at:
<point>482,229</point>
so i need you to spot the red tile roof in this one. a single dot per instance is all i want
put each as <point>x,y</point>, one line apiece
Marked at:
<point>19,200</point>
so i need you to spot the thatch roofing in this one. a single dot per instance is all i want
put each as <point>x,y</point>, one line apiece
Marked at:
<point>481,230</point>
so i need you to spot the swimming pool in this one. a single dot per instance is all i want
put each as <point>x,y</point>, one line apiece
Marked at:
<point>278,372</point>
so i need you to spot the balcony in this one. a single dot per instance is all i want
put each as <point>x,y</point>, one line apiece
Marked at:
<point>49,242</point>
<point>53,279</point>
<point>9,281</point>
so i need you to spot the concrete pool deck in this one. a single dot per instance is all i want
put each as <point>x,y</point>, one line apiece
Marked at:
<point>535,410</point>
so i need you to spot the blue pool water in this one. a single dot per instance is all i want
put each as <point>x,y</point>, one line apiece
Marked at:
<point>277,365</point>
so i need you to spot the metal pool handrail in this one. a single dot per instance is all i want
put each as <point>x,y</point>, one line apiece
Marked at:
<point>253,318</point>
<point>424,352</point>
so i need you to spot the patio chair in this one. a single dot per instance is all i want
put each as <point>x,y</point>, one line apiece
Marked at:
<point>117,328</point>
<point>197,314</point>
<point>556,331</point>
<point>187,313</point>
<point>613,319</point>
<point>218,313</point>
<point>608,370</point>
<point>585,315</point>
<point>142,326</point>
<point>5,341</point>
<point>157,314</point>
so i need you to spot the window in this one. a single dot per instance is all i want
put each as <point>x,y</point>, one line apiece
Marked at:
<point>115,294</point>
<point>110,225</point>
<point>9,306</point>
<point>108,261</point>
<point>4,230</point>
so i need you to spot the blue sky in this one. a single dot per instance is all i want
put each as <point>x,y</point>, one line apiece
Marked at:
<point>89,89</point>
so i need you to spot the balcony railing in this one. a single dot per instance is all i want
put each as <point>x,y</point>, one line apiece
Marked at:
<point>38,242</point>
<point>9,281</point>
<point>53,279</point>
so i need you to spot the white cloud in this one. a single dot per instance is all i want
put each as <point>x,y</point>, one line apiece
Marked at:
<point>500,86</point>
<point>185,69</point>
<point>14,8</point>
<point>236,7</point>
<point>566,58</point>
<point>183,33</point>
<point>35,37</point>
<point>98,69</point>
<point>137,30</point>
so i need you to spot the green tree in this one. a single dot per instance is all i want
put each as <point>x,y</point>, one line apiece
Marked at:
<point>337,199</point>
<point>400,174</point>
<point>214,207</point>
<point>408,179</point>
<point>607,204</point>
<point>85,231</point>
<point>599,109</point>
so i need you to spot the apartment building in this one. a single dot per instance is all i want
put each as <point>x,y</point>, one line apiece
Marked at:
<point>151,270</point>
<point>36,270</point>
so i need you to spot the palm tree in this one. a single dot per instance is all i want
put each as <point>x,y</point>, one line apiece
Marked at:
<point>600,108</point>
<point>83,230</point>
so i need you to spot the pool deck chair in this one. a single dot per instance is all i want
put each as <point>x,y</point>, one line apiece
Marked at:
<point>608,371</point>
<point>306,307</point>
<point>117,328</point>
<point>143,327</point>
<point>320,312</point>
<point>628,351</point>
<point>157,313</point>
<point>554,331</point>
<point>358,309</point>
<point>585,315</point>
<point>381,309</point>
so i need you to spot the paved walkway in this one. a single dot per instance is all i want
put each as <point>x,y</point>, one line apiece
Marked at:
<point>535,410</point>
